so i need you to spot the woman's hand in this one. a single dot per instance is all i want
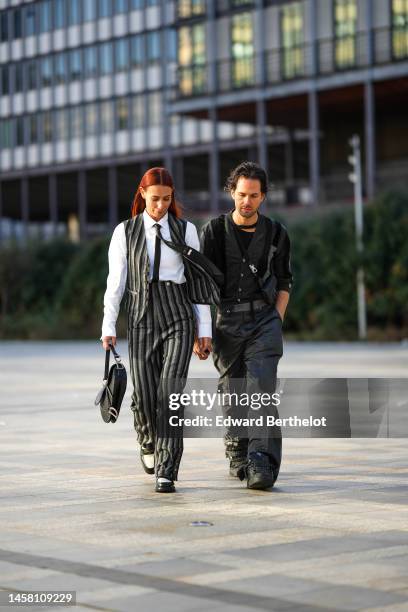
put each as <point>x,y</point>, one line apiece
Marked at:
<point>107,340</point>
<point>202,347</point>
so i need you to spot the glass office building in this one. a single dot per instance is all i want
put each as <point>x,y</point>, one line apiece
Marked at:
<point>93,92</point>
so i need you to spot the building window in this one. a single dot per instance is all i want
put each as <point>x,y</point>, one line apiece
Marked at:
<point>191,59</point>
<point>106,117</point>
<point>60,68</point>
<point>121,54</point>
<point>345,26</point>
<point>122,113</point>
<point>292,40</point>
<point>59,16</point>
<point>4,26</point>
<point>105,58</point>
<point>18,77</point>
<point>105,8</point>
<point>154,108</point>
<point>61,125</point>
<point>30,12</point>
<point>171,45</point>
<point>90,62</point>
<point>47,126</point>
<point>76,121</point>
<point>136,50</point>
<point>89,8</point>
<point>153,46</point>
<point>400,28</point>
<point>45,16</point>
<point>136,4</point>
<point>17,24</point>
<point>74,16</point>
<point>239,3</point>
<point>91,119</point>
<point>5,80</point>
<point>120,6</point>
<point>19,131</point>
<point>33,129</point>
<point>5,134</point>
<point>190,8</point>
<point>46,72</point>
<point>75,65</point>
<point>32,75</point>
<point>242,50</point>
<point>138,113</point>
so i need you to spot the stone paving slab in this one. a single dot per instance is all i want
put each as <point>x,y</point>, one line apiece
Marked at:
<point>77,511</point>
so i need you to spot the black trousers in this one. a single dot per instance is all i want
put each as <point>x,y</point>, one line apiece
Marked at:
<point>160,348</point>
<point>246,349</point>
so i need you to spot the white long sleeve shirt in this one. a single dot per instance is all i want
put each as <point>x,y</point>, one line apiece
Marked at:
<point>171,268</point>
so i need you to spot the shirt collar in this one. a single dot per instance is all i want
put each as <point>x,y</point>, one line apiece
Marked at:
<point>149,222</point>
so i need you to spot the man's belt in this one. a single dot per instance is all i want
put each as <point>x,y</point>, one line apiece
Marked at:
<point>244,307</point>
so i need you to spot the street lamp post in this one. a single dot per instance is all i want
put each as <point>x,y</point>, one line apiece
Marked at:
<point>356,179</point>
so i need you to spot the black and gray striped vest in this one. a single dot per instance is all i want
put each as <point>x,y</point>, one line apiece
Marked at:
<point>199,289</point>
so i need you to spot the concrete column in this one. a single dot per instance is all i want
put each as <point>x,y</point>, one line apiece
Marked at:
<point>214,164</point>
<point>178,175</point>
<point>1,211</point>
<point>289,161</point>
<point>370,32</point>
<point>261,133</point>
<point>53,202</point>
<point>113,197</point>
<point>25,205</point>
<point>314,148</point>
<point>259,42</point>
<point>212,48</point>
<point>370,149</point>
<point>312,63</point>
<point>82,205</point>
<point>166,99</point>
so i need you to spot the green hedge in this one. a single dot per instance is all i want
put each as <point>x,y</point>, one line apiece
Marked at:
<point>55,289</point>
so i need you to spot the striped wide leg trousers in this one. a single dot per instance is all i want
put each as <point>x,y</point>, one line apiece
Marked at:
<point>160,348</point>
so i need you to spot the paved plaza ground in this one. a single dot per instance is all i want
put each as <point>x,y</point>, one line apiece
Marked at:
<point>78,513</point>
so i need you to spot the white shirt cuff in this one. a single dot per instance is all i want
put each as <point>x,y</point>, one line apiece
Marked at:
<point>205,330</point>
<point>108,331</point>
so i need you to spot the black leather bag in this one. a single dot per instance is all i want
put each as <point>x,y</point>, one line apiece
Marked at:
<point>209,279</point>
<point>111,394</point>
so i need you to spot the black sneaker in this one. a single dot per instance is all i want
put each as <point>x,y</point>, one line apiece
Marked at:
<point>258,472</point>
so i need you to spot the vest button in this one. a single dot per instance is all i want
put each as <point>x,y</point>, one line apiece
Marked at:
<point>242,274</point>
<point>238,300</point>
<point>244,260</point>
<point>239,289</point>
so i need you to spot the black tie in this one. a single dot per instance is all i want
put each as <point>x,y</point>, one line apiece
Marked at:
<point>157,253</point>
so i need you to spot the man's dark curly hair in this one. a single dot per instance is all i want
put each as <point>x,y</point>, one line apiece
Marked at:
<point>249,170</point>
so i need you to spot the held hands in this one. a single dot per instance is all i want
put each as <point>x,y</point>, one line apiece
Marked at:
<point>202,347</point>
<point>107,340</point>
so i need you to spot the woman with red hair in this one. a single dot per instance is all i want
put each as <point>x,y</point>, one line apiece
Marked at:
<point>162,320</point>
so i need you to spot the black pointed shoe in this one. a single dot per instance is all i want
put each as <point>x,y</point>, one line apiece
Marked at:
<point>147,469</point>
<point>258,472</point>
<point>166,486</point>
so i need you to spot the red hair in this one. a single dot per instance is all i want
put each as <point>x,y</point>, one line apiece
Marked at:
<point>155,176</point>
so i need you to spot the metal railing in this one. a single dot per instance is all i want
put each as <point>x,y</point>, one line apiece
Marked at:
<point>320,58</point>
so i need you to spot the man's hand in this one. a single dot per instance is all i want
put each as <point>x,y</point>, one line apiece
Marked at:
<point>281,303</point>
<point>107,340</point>
<point>202,347</point>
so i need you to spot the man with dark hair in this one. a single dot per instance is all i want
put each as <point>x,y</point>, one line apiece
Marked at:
<point>253,252</point>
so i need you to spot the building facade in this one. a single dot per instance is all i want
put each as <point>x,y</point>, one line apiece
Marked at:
<point>93,92</point>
